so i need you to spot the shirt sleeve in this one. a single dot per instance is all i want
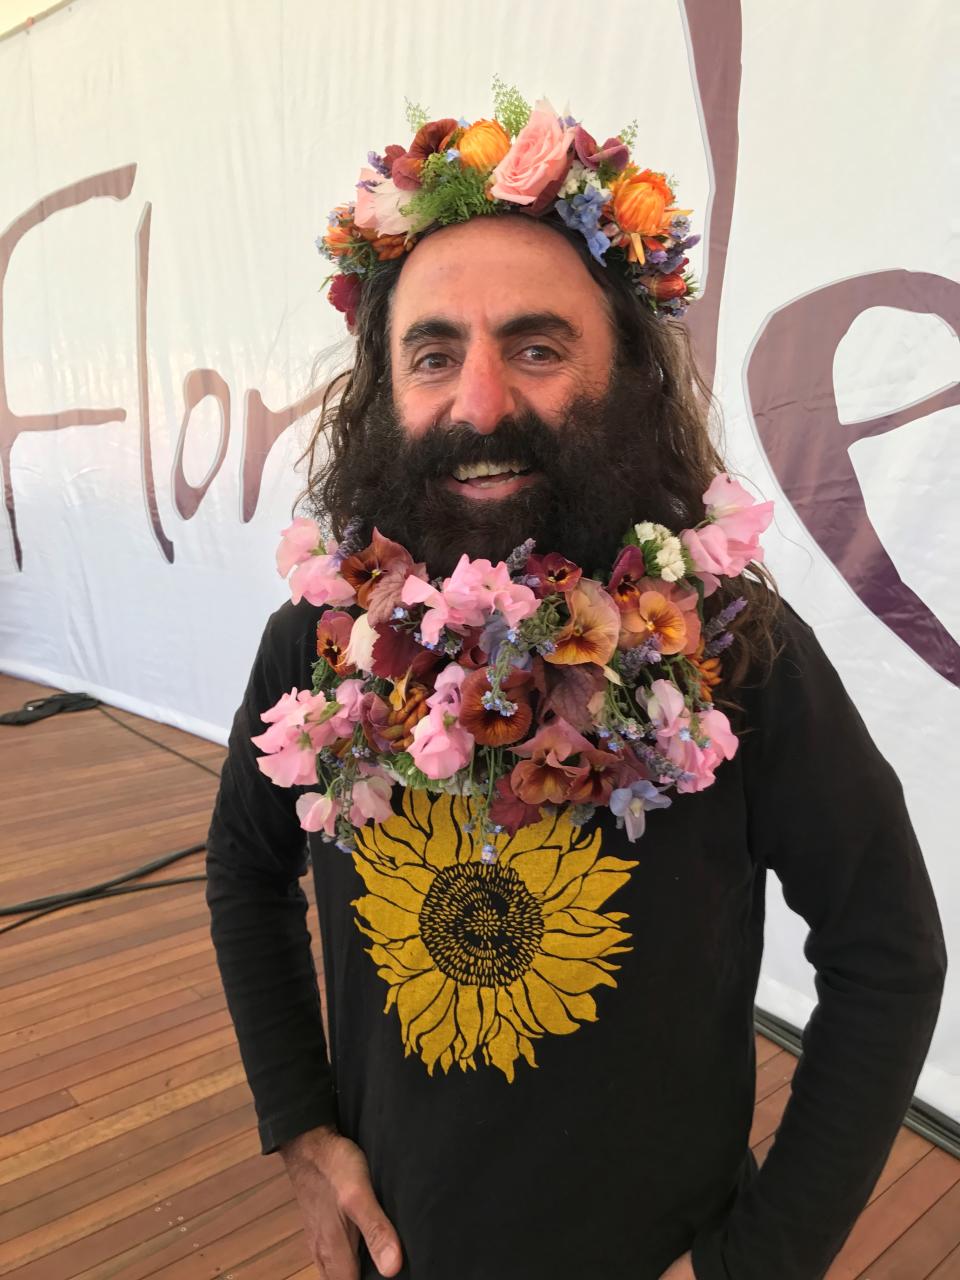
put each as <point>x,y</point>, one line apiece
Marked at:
<point>826,812</point>
<point>256,854</point>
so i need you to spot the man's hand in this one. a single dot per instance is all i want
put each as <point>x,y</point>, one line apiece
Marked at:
<point>331,1179</point>
<point>682,1269</point>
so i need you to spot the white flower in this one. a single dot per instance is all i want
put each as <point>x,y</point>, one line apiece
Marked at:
<point>359,648</point>
<point>648,532</point>
<point>577,175</point>
<point>670,560</point>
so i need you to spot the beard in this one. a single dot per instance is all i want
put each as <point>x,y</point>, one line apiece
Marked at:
<point>598,475</point>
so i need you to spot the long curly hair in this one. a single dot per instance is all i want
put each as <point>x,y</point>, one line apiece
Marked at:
<point>676,419</point>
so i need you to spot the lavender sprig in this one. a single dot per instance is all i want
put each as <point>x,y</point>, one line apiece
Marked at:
<point>724,618</point>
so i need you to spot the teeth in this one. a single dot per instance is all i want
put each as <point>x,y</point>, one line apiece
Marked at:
<point>474,470</point>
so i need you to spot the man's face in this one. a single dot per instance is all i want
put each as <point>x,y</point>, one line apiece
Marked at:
<point>491,319</point>
<point>505,416</point>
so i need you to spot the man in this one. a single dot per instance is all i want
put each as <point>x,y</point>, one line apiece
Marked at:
<point>506,386</point>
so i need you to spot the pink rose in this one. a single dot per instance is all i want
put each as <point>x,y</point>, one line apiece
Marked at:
<point>538,157</point>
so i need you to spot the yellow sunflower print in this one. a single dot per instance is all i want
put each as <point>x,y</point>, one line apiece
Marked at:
<point>486,959</point>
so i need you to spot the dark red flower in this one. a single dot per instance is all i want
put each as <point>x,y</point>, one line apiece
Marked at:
<point>614,152</point>
<point>625,576</point>
<point>366,570</point>
<point>344,293</point>
<point>553,573</point>
<point>665,287</point>
<point>431,137</point>
<point>509,811</point>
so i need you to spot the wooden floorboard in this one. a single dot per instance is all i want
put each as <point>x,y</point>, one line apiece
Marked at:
<point>128,1146</point>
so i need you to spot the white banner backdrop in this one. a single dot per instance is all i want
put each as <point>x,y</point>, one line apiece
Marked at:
<point>166,169</point>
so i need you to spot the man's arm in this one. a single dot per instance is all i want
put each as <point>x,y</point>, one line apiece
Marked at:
<point>256,854</point>
<point>827,814</point>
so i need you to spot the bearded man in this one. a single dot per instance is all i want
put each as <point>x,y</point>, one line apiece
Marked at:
<point>597,998</point>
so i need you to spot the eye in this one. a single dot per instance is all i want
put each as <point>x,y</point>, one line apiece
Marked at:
<point>421,363</point>
<point>545,354</point>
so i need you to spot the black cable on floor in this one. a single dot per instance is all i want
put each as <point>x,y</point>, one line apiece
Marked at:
<point>39,708</point>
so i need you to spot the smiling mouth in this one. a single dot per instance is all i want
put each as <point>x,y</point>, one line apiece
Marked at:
<point>490,479</point>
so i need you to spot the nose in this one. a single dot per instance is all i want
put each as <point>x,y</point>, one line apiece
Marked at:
<point>483,396</point>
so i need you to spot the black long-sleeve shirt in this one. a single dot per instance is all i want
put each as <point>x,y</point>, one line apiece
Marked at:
<point>550,1065</point>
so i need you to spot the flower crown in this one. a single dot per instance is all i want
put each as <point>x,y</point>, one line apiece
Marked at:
<point>521,160</point>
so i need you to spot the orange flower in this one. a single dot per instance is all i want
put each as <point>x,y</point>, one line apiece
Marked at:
<point>653,614</point>
<point>386,247</point>
<point>640,201</point>
<point>489,727</point>
<point>484,144</point>
<point>709,671</point>
<point>664,287</point>
<point>594,626</point>
<point>333,636</point>
<point>408,706</point>
<point>340,239</point>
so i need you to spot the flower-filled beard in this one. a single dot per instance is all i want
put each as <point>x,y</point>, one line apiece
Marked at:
<point>598,473</point>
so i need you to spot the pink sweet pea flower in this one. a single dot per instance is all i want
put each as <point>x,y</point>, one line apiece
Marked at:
<point>293,765</point>
<point>318,579</point>
<point>666,709</point>
<point>318,812</point>
<point>447,688</point>
<point>297,542</point>
<point>438,614</point>
<point>717,728</point>
<point>287,718</point>
<point>727,544</point>
<point>735,510</point>
<point>700,762</point>
<point>441,746</point>
<point>474,590</point>
<point>477,587</point>
<point>371,796</point>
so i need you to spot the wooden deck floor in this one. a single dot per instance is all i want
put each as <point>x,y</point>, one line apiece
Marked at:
<point>128,1143</point>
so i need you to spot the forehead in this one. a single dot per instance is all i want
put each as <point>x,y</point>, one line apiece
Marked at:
<point>484,271</point>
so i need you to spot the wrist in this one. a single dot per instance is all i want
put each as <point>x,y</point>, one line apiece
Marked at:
<point>306,1147</point>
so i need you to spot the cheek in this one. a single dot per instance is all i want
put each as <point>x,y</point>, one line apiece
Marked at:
<point>417,409</point>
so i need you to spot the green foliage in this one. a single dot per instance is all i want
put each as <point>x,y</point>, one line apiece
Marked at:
<point>510,108</point>
<point>416,115</point>
<point>323,675</point>
<point>629,134</point>
<point>402,764</point>
<point>449,193</point>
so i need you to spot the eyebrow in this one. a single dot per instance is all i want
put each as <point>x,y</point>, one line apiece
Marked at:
<point>434,327</point>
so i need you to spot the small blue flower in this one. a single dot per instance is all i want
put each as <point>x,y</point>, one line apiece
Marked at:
<point>398,611</point>
<point>452,154</point>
